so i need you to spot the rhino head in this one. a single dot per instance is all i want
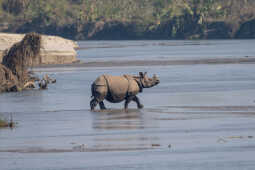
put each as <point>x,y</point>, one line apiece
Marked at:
<point>147,82</point>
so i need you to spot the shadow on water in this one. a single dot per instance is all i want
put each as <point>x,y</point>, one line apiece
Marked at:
<point>118,119</point>
<point>122,130</point>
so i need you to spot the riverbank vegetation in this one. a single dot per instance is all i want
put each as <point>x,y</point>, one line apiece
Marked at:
<point>4,123</point>
<point>131,19</point>
<point>14,73</point>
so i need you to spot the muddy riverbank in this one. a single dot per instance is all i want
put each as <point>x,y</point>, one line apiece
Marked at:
<point>241,60</point>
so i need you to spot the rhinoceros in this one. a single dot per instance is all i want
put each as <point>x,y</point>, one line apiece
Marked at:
<point>116,89</point>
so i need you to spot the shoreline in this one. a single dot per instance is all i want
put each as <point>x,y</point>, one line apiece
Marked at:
<point>241,60</point>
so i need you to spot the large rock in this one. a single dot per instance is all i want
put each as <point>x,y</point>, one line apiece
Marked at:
<point>55,50</point>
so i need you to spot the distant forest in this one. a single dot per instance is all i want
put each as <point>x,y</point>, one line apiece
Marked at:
<point>130,19</point>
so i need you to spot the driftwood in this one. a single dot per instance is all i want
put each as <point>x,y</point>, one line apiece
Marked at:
<point>43,84</point>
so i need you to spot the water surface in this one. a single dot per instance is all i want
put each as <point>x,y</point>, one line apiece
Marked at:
<point>164,50</point>
<point>198,117</point>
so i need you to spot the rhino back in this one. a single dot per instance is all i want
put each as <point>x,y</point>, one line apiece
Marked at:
<point>100,81</point>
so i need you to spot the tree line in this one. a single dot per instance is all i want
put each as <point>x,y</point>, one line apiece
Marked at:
<point>130,19</point>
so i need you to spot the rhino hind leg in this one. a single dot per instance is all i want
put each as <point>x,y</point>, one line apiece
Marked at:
<point>93,104</point>
<point>98,93</point>
<point>102,106</point>
<point>139,105</point>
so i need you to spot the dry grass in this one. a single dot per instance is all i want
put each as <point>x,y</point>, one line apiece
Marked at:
<point>14,68</point>
<point>7,80</point>
<point>22,55</point>
<point>3,123</point>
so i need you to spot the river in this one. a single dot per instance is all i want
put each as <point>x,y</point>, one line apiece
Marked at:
<point>200,116</point>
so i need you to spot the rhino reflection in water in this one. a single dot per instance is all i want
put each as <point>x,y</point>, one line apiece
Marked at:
<point>116,89</point>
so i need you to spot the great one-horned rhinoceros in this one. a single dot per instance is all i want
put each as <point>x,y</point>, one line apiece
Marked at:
<point>116,89</point>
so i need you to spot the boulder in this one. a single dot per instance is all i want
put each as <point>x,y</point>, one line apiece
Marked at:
<point>54,49</point>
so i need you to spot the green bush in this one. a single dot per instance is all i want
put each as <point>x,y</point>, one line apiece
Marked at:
<point>14,6</point>
<point>73,16</point>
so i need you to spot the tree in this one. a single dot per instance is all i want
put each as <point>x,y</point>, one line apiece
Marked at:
<point>15,6</point>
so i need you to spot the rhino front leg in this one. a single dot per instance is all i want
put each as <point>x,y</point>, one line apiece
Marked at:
<point>127,101</point>
<point>139,105</point>
<point>102,106</point>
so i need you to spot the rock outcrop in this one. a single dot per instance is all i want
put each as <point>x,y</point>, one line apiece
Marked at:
<point>54,50</point>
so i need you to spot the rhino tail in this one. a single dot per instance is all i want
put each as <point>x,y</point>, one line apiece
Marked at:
<point>92,90</point>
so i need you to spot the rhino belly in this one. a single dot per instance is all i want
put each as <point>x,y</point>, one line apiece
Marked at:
<point>117,88</point>
<point>114,97</point>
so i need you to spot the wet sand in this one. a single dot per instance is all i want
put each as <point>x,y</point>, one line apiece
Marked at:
<point>157,138</point>
<point>241,60</point>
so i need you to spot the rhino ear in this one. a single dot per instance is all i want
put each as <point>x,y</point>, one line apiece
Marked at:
<point>141,74</point>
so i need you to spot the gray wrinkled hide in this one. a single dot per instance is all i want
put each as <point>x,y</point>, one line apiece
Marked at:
<point>114,88</point>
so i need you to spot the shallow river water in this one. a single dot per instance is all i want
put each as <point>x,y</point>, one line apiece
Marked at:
<point>199,116</point>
